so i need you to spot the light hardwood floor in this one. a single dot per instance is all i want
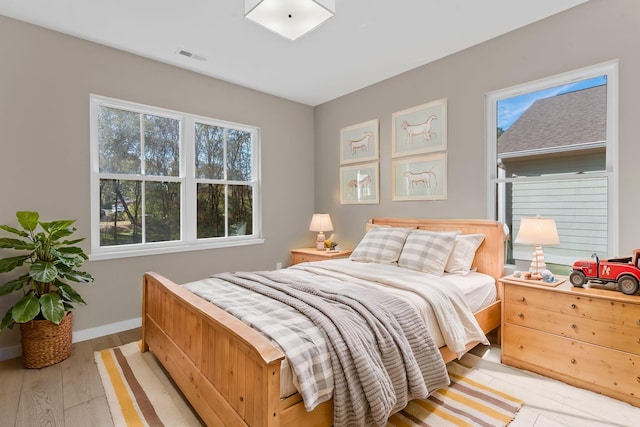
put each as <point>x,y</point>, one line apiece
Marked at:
<point>70,393</point>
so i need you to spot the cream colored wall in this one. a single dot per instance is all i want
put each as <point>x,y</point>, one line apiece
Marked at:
<point>45,82</point>
<point>594,32</point>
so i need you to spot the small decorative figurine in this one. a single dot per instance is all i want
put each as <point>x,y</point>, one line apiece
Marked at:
<point>548,277</point>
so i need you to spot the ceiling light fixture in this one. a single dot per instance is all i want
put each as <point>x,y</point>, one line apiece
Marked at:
<point>289,18</point>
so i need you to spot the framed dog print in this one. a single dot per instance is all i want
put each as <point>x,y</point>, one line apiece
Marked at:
<point>419,130</point>
<point>359,143</point>
<point>359,184</point>
<point>419,178</point>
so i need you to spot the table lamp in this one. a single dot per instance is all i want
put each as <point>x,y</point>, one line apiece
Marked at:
<point>320,223</point>
<point>537,231</point>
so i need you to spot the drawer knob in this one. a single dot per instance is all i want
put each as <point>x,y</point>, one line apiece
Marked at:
<point>573,306</point>
<point>573,361</point>
<point>522,299</point>
<point>573,325</point>
<point>638,322</point>
<point>520,315</point>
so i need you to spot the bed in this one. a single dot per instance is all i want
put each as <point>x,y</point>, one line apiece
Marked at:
<point>230,373</point>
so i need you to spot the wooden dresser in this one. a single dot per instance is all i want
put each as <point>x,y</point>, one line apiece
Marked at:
<point>312,254</point>
<point>586,337</point>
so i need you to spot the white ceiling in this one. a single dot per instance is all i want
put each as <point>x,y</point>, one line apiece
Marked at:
<point>365,42</point>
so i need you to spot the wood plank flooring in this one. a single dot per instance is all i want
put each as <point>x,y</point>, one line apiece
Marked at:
<point>70,394</point>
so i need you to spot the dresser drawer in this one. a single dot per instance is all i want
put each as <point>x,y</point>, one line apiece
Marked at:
<point>298,258</point>
<point>312,255</point>
<point>612,324</point>
<point>611,372</point>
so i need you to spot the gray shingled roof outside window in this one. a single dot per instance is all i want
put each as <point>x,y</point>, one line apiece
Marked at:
<point>572,118</point>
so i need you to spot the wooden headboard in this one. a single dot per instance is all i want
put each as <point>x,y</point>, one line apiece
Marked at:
<point>489,256</point>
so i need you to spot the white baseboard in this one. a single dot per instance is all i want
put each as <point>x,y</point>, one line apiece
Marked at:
<point>14,351</point>
<point>11,352</point>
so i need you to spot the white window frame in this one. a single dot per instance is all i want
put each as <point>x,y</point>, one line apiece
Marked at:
<point>495,210</point>
<point>188,226</point>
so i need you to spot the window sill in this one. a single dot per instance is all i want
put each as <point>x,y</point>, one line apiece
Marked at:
<point>161,250</point>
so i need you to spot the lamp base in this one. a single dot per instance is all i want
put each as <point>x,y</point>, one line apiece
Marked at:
<point>320,241</point>
<point>537,261</point>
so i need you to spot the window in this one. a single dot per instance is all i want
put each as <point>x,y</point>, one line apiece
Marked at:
<point>164,181</point>
<point>551,151</point>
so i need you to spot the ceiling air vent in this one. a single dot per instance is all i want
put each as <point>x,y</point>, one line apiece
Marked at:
<point>191,55</point>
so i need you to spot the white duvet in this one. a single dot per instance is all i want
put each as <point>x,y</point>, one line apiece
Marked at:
<point>439,300</point>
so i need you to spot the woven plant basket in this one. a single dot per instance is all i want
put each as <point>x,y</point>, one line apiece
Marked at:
<point>44,343</point>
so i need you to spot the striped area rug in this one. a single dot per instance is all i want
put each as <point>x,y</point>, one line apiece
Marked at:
<point>468,401</point>
<point>139,392</point>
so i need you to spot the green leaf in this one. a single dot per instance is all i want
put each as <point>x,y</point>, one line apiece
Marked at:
<point>63,232</point>
<point>26,309</point>
<point>58,229</point>
<point>14,285</point>
<point>20,245</point>
<point>28,220</point>
<point>77,276</point>
<point>72,242</point>
<point>8,264</point>
<point>20,233</point>
<point>7,321</point>
<point>52,307</point>
<point>69,294</point>
<point>68,260</point>
<point>72,257</point>
<point>42,271</point>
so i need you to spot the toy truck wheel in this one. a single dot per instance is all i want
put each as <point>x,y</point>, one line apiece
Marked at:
<point>628,285</point>
<point>577,278</point>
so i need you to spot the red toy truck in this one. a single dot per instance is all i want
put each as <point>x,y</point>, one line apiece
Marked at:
<point>624,271</point>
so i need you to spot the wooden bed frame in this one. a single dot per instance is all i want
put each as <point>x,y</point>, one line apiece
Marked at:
<point>230,373</point>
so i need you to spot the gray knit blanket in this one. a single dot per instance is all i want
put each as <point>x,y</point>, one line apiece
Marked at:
<point>381,353</point>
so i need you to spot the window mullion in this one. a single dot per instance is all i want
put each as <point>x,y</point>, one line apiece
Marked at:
<point>187,173</point>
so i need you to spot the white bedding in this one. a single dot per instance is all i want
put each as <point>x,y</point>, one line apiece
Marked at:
<point>469,292</point>
<point>476,289</point>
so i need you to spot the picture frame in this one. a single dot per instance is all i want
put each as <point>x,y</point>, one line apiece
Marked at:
<point>420,129</point>
<point>360,184</point>
<point>419,178</point>
<point>359,142</point>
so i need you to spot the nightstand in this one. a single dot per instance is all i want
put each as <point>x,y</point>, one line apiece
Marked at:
<point>587,337</point>
<point>312,254</point>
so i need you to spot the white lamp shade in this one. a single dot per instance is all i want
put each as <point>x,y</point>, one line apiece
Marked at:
<point>289,18</point>
<point>321,222</point>
<point>538,231</point>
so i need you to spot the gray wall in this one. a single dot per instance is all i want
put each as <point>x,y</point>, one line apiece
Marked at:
<point>594,32</point>
<point>46,79</point>
<point>45,82</point>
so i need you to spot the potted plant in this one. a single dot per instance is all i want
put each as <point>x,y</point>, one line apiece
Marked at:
<point>48,262</point>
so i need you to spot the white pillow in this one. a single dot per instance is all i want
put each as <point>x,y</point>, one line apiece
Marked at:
<point>427,251</point>
<point>464,250</point>
<point>381,244</point>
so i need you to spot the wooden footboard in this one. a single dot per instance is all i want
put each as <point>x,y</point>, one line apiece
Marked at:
<point>229,372</point>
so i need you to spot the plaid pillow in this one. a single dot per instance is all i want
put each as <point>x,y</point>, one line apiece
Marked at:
<point>427,251</point>
<point>381,244</point>
<point>463,253</point>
